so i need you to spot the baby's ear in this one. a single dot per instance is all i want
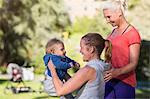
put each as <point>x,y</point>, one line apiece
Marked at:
<point>49,51</point>
<point>52,51</point>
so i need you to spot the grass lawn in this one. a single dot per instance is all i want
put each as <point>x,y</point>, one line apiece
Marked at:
<point>36,85</point>
<point>143,94</point>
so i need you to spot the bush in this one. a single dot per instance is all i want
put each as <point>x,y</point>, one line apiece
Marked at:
<point>85,25</point>
<point>3,69</point>
<point>37,61</point>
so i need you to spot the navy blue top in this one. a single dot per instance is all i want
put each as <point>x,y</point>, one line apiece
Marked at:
<point>61,64</point>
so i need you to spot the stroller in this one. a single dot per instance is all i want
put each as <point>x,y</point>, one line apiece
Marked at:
<point>15,73</point>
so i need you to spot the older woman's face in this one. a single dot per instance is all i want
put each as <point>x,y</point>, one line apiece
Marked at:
<point>111,17</point>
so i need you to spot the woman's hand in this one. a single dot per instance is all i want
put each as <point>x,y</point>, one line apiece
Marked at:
<point>108,75</point>
<point>51,66</point>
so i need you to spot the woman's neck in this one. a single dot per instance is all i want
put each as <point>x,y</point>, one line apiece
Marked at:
<point>122,25</point>
<point>95,57</point>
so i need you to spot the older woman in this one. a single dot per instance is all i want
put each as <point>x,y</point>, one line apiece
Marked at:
<point>125,39</point>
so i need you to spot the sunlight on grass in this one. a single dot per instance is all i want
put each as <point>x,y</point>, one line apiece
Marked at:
<point>35,85</point>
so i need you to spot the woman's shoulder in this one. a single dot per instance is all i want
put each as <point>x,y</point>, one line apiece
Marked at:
<point>132,31</point>
<point>99,65</point>
<point>87,73</point>
<point>88,68</point>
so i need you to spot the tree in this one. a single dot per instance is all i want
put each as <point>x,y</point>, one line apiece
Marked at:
<point>24,22</point>
<point>143,71</point>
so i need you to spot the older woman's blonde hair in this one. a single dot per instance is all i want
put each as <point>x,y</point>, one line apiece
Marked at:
<point>115,5</point>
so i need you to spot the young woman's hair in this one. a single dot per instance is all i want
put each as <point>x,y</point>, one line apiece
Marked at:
<point>50,45</point>
<point>97,41</point>
<point>108,50</point>
<point>115,5</point>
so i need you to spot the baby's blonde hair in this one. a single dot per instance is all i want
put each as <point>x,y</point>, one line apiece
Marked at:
<point>115,5</point>
<point>50,46</point>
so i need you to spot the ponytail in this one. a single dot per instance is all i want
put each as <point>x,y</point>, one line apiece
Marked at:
<point>123,5</point>
<point>108,50</point>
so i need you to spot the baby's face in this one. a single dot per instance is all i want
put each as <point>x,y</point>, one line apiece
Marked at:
<point>59,50</point>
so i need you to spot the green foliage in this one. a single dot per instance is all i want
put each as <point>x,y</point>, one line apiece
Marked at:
<point>26,24</point>
<point>39,69</point>
<point>133,3</point>
<point>85,25</point>
<point>73,48</point>
<point>49,15</point>
<point>37,61</point>
<point>2,69</point>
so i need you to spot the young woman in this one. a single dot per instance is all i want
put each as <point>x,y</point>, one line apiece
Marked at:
<point>125,39</point>
<point>89,78</point>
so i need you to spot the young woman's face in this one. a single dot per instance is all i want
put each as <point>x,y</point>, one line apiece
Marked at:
<point>59,50</point>
<point>84,50</point>
<point>111,17</point>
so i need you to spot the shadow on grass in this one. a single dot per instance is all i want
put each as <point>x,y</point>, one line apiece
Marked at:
<point>3,81</point>
<point>42,97</point>
<point>144,94</point>
<point>45,97</point>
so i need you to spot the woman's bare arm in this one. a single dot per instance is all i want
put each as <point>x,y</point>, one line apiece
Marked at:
<point>82,76</point>
<point>134,56</point>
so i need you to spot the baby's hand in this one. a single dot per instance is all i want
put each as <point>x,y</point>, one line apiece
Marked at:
<point>77,65</point>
